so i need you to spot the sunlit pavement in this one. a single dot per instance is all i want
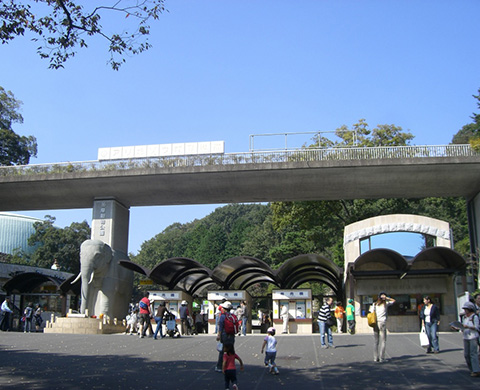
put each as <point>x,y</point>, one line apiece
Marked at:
<point>49,361</point>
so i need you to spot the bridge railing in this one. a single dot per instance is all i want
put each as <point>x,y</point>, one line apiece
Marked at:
<point>297,155</point>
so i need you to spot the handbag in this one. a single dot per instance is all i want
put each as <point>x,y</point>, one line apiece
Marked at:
<point>424,342</point>
<point>330,321</point>
<point>372,318</point>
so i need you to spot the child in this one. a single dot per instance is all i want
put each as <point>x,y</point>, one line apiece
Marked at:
<point>339,312</point>
<point>271,352</point>
<point>132,321</point>
<point>228,367</point>
<point>350,312</point>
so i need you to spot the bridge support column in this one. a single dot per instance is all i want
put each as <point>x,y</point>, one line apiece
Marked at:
<point>110,224</point>
<point>473,210</point>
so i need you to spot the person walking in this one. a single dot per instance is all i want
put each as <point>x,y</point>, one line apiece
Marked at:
<point>350,312</point>
<point>244,318</point>
<point>37,318</point>
<point>239,314</point>
<point>228,366</point>
<point>430,316</point>
<point>227,328</point>
<point>28,313</point>
<point>339,313</point>
<point>184,313</point>
<point>325,323</point>
<point>270,342</point>
<point>284,315</point>
<point>471,329</point>
<point>162,309</point>
<point>380,329</point>
<point>144,315</point>
<point>5,314</point>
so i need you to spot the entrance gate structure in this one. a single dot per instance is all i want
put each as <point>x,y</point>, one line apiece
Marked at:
<point>438,271</point>
<point>113,187</point>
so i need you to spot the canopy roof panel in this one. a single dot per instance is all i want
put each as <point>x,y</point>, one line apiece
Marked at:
<point>444,257</point>
<point>239,273</point>
<point>392,260</point>
<point>235,272</point>
<point>28,282</point>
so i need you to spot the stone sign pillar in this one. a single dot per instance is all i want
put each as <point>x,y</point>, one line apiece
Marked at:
<point>110,224</point>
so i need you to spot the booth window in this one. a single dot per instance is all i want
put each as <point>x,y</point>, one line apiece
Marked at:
<point>405,243</point>
<point>405,304</point>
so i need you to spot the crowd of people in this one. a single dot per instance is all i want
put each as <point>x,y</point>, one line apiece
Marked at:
<point>140,316</point>
<point>429,315</point>
<point>230,322</point>
<point>31,319</point>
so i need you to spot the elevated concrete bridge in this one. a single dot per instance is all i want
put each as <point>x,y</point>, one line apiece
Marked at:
<point>354,173</point>
<point>311,174</point>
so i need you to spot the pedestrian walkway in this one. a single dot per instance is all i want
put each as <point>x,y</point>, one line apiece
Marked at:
<point>51,361</point>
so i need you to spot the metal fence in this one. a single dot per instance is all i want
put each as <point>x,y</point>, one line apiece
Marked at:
<point>297,155</point>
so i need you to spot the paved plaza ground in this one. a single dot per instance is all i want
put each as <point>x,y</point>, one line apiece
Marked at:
<point>60,361</point>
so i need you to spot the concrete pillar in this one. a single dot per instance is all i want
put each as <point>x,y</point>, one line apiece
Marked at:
<point>110,223</point>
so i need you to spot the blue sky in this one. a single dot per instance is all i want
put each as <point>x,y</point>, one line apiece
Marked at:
<point>222,70</point>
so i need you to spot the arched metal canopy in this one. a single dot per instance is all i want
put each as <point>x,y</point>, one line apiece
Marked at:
<point>236,272</point>
<point>445,258</point>
<point>181,273</point>
<point>67,285</point>
<point>444,261</point>
<point>239,273</point>
<point>29,281</point>
<point>394,261</point>
<point>310,267</point>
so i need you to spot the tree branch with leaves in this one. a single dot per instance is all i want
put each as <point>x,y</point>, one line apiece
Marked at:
<point>64,26</point>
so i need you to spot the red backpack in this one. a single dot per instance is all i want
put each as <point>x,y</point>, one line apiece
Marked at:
<point>231,324</point>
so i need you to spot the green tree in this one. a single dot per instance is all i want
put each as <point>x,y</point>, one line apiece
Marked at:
<point>14,149</point>
<point>60,244</point>
<point>229,231</point>
<point>361,135</point>
<point>471,131</point>
<point>317,226</point>
<point>64,26</point>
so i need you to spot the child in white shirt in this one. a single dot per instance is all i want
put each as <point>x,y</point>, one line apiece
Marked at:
<point>271,351</point>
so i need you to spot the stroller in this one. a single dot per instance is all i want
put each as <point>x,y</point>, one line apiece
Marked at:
<point>172,329</point>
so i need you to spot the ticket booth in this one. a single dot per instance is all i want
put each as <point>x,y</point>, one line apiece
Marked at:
<point>235,297</point>
<point>299,304</point>
<point>172,299</point>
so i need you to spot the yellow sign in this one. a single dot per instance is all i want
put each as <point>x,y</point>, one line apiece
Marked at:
<point>145,282</point>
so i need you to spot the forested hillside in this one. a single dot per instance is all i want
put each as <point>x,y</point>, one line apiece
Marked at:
<point>278,231</point>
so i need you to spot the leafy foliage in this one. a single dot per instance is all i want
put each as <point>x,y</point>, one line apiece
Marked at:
<point>229,231</point>
<point>14,149</point>
<point>470,132</point>
<point>361,135</point>
<point>60,244</point>
<point>65,25</point>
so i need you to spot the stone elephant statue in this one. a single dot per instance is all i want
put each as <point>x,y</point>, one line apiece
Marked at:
<point>106,286</point>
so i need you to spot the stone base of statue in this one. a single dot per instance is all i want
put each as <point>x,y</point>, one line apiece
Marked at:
<point>80,324</point>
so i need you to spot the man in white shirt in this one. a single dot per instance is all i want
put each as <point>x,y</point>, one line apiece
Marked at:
<point>5,315</point>
<point>284,315</point>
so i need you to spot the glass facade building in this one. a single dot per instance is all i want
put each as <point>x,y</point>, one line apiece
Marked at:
<point>15,230</point>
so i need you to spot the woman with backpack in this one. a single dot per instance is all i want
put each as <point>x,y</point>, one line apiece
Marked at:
<point>227,328</point>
